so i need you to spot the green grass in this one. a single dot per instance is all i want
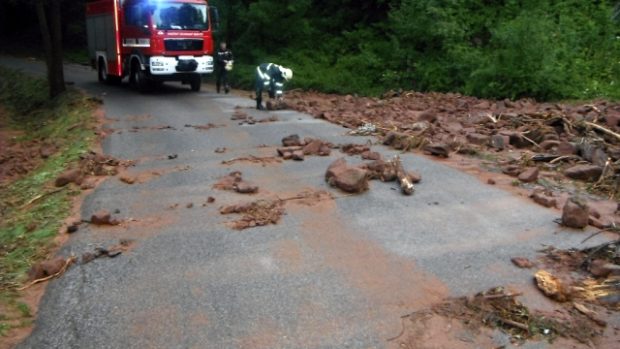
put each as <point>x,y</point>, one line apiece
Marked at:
<point>66,121</point>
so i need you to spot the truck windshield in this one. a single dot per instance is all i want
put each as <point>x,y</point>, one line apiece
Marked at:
<point>179,16</point>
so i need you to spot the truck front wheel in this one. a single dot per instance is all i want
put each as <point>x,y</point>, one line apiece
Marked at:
<point>196,83</point>
<point>138,78</point>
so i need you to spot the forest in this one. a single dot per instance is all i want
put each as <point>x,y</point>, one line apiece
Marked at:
<point>543,49</point>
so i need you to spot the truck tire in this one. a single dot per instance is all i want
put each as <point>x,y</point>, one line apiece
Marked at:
<point>196,83</point>
<point>103,76</point>
<point>138,78</point>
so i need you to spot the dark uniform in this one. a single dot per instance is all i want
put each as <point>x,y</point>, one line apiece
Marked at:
<point>221,74</point>
<point>271,77</point>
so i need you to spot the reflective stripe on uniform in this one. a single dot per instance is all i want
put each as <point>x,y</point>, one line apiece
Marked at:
<point>262,75</point>
<point>279,84</point>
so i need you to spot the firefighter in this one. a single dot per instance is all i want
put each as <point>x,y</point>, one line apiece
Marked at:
<point>224,60</point>
<point>271,76</point>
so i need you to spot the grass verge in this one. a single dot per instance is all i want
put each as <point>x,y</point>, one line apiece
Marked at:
<point>31,208</point>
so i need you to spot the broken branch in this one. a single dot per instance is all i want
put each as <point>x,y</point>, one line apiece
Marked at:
<point>68,262</point>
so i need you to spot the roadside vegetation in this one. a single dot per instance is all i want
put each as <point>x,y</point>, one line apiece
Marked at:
<point>49,135</point>
<point>545,49</point>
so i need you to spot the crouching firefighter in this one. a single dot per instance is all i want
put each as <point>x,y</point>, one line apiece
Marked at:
<point>271,77</point>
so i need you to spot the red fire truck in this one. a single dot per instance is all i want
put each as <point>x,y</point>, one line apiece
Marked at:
<point>151,41</point>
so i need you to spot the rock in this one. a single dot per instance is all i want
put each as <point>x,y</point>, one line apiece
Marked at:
<point>517,140</point>
<point>551,286</point>
<point>599,157</point>
<point>298,155</point>
<point>544,198</point>
<point>210,199</point>
<point>428,116</point>
<point>346,178</point>
<point>441,150</point>
<point>602,268</point>
<point>414,176</point>
<point>313,147</point>
<point>246,188</point>
<point>549,144</point>
<point>88,257</point>
<point>220,150</point>
<point>566,148</point>
<point>477,138</point>
<point>371,155</point>
<point>529,175</point>
<point>325,150</point>
<point>101,217</point>
<point>46,268</point>
<point>391,137</point>
<point>287,155</point>
<point>575,214</point>
<point>522,262</point>
<point>499,142</point>
<point>47,151</point>
<point>380,169</point>
<point>70,176</point>
<point>491,181</point>
<point>72,228</point>
<point>292,140</point>
<point>351,180</point>
<point>584,172</point>
<point>335,167</point>
<point>128,179</point>
<point>190,205</point>
<point>511,170</point>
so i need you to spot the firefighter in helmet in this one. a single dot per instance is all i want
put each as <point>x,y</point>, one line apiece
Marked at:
<point>271,76</point>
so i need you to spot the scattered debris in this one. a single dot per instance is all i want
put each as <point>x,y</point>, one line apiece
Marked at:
<point>522,262</point>
<point>127,179</point>
<point>264,160</point>
<point>496,308</point>
<point>580,141</point>
<point>103,217</point>
<point>111,252</point>
<point>257,213</point>
<point>210,199</point>
<point>544,197</point>
<point>234,182</point>
<point>73,228</point>
<point>204,127</point>
<point>173,156</point>
<point>189,205</point>
<point>220,150</point>
<point>354,149</point>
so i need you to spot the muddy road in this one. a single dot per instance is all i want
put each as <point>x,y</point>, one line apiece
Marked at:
<point>337,271</point>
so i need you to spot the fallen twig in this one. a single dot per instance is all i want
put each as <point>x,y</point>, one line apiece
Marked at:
<point>603,129</point>
<point>68,262</point>
<point>40,196</point>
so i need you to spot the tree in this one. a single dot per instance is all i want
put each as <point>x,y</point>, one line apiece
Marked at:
<point>48,12</point>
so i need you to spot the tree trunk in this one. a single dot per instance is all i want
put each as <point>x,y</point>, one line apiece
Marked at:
<point>50,25</point>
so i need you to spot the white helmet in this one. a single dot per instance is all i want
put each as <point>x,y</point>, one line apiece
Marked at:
<point>287,74</point>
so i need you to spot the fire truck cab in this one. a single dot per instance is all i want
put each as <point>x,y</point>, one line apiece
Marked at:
<point>151,41</point>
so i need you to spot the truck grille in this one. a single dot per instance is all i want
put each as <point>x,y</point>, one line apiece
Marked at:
<point>183,44</point>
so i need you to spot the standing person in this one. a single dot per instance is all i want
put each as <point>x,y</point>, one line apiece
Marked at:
<point>272,77</point>
<point>223,62</point>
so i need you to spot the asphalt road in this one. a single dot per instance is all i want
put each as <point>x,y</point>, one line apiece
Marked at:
<point>335,275</point>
